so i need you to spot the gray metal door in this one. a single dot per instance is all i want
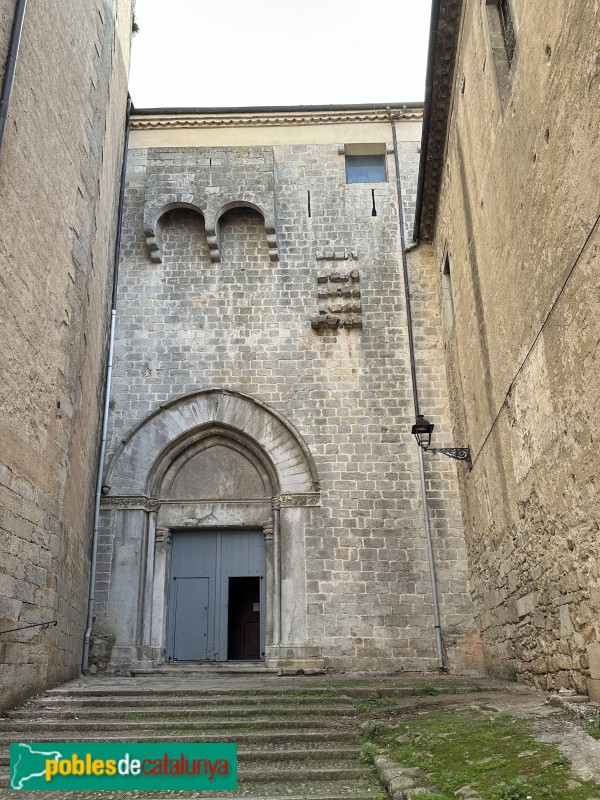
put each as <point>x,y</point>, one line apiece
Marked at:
<point>190,625</point>
<point>202,562</point>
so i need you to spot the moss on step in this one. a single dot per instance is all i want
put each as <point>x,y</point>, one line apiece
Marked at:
<point>485,754</point>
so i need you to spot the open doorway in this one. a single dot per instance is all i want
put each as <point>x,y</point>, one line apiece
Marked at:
<point>243,619</point>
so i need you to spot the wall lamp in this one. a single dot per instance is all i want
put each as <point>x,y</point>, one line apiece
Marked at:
<point>422,430</point>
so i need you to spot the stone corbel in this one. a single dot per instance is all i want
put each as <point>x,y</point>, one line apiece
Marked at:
<point>212,238</point>
<point>273,248</point>
<point>272,238</point>
<point>154,250</point>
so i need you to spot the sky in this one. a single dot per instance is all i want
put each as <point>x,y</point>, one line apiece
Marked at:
<point>278,52</point>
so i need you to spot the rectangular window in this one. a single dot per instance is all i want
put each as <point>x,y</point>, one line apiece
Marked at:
<point>365,168</point>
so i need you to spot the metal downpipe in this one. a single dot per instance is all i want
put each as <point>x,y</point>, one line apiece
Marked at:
<point>109,369</point>
<point>11,65</point>
<point>413,374</point>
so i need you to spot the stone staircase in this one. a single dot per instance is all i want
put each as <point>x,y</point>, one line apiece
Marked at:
<point>296,740</point>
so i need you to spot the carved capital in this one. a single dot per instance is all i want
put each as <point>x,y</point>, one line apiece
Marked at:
<point>300,500</point>
<point>276,503</point>
<point>162,537</point>
<point>130,503</point>
<point>268,532</point>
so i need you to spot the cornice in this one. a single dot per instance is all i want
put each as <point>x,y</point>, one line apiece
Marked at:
<point>130,503</point>
<point>240,120</point>
<point>299,500</point>
<point>150,504</point>
<point>443,47</point>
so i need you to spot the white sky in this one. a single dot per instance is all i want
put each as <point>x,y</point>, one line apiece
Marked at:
<point>278,52</point>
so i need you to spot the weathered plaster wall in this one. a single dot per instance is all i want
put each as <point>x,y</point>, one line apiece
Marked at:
<point>518,217</point>
<point>59,173</point>
<point>244,323</point>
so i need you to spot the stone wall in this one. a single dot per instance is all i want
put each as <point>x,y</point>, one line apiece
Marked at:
<point>187,322</point>
<point>59,173</point>
<point>518,217</point>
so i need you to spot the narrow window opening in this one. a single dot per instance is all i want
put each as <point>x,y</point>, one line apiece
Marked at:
<point>503,42</point>
<point>374,210</point>
<point>309,209</point>
<point>508,29</point>
<point>447,298</point>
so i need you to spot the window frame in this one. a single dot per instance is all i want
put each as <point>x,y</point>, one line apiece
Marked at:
<point>378,168</point>
<point>366,151</point>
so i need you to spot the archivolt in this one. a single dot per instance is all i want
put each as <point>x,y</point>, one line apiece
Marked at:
<point>134,468</point>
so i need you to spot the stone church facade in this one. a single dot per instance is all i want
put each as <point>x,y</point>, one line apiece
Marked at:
<point>261,497</point>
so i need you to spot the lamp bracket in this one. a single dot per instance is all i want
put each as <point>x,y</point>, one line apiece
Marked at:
<point>458,453</point>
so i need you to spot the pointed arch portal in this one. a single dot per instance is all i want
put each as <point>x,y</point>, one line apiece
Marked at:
<point>203,522</point>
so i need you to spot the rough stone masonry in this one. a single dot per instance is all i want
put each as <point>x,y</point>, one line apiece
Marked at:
<point>262,334</point>
<point>59,181</point>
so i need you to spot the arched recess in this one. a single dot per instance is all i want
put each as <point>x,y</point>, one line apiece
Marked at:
<point>211,208</point>
<point>215,463</point>
<point>153,213</point>
<point>253,203</point>
<point>206,463</point>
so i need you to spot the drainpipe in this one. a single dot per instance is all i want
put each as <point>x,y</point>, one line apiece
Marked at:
<point>11,65</point>
<point>109,368</point>
<point>413,374</point>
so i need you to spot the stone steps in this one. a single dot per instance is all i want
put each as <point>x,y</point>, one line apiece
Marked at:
<point>296,740</point>
<point>277,738</point>
<point>292,743</point>
<point>227,668</point>
<point>151,701</point>
<point>176,726</point>
<point>255,772</point>
<point>191,690</point>
<point>201,698</point>
<point>180,712</point>
<point>354,789</point>
<point>249,753</point>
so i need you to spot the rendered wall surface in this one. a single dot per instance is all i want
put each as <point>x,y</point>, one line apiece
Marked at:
<point>518,217</point>
<point>187,323</point>
<point>59,175</point>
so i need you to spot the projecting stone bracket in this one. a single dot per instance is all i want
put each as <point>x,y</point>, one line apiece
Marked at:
<point>337,255</point>
<point>339,300</point>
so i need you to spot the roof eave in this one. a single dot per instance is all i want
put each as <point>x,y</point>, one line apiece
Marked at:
<point>443,46</point>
